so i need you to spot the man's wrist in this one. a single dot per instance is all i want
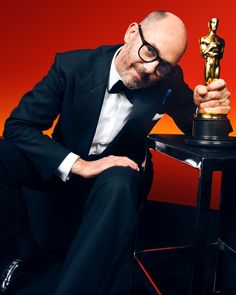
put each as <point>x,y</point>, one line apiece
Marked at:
<point>77,166</point>
<point>64,170</point>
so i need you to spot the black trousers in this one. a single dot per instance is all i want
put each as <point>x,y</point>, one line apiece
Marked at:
<point>98,260</point>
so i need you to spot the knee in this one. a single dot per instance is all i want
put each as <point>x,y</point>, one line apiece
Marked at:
<point>120,185</point>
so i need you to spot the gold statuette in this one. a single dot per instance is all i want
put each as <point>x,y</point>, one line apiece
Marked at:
<point>211,129</point>
<point>212,49</point>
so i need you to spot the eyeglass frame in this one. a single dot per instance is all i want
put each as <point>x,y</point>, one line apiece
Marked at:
<point>158,58</point>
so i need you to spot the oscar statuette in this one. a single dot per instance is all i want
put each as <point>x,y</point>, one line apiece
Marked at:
<point>211,129</point>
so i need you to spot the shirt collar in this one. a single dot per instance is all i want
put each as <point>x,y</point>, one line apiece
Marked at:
<point>113,75</point>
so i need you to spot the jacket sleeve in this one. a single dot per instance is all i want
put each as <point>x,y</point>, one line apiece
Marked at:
<point>35,113</point>
<point>180,106</point>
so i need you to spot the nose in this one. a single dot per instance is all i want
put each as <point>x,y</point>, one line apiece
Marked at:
<point>150,67</point>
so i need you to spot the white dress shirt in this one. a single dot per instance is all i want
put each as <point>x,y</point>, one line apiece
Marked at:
<point>115,112</point>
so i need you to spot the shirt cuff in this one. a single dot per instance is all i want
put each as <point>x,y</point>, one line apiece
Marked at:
<point>63,171</point>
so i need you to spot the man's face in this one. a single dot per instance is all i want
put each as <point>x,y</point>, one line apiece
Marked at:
<point>136,73</point>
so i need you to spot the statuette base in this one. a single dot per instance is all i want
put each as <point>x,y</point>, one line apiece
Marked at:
<point>211,132</point>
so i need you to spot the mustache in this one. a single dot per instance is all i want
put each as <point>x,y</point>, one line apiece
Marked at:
<point>145,76</point>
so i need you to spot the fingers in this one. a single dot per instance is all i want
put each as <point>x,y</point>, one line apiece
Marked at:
<point>89,169</point>
<point>215,103</point>
<point>201,91</point>
<point>217,110</point>
<point>218,84</point>
<point>120,161</point>
<point>215,90</point>
<point>213,98</point>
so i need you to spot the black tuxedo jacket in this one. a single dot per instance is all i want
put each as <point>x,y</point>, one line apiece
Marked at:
<point>74,89</point>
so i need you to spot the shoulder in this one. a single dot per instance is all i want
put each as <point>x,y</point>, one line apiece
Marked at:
<point>176,88</point>
<point>74,60</point>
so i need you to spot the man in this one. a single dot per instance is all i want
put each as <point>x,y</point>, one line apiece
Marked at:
<point>98,146</point>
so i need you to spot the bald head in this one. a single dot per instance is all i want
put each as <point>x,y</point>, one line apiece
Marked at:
<point>168,26</point>
<point>161,35</point>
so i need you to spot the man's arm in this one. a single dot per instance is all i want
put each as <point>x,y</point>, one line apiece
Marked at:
<point>36,112</point>
<point>180,106</point>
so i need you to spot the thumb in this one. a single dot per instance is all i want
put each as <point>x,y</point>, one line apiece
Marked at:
<point>200,90</point>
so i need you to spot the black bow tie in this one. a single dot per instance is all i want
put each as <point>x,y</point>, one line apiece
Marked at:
<point>120,87</point>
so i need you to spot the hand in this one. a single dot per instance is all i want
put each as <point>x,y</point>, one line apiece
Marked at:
<point>90,169</point>
<point>213,98</point>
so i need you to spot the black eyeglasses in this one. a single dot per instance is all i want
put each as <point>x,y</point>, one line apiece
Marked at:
<point>149,54</point>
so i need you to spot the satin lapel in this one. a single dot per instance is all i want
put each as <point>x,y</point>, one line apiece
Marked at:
<point>88,99</point>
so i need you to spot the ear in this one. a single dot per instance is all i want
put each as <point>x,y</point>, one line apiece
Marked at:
<point>131,32</point>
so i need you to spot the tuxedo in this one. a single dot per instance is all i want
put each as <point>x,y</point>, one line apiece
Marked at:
<point>73,91</point>
<point>74,88</point>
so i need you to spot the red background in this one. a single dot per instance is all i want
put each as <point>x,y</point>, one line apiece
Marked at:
<point>33,31</point>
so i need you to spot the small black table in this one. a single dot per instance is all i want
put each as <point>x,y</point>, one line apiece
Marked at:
<point>206,160</point>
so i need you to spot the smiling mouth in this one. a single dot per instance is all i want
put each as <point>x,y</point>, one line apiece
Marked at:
<point>145,77</point>
<point>138,73</point>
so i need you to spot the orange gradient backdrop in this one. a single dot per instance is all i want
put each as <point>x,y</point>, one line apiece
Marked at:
<point>33,31</point>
